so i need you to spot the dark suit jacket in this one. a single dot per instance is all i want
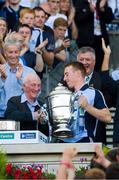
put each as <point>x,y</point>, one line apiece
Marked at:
<point>84,19</point>
<point>20,112</point>
<point>103,82</point>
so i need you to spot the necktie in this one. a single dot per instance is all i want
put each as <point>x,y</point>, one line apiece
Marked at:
<point>87,79</point>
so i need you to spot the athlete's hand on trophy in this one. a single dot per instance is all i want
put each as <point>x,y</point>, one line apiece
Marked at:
<point>82,101</point>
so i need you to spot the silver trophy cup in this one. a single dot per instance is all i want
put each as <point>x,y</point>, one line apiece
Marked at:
<point>58,103</point>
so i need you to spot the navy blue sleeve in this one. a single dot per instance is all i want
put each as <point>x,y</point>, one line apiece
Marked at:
<point>51,41</point>
<point>99,102</point>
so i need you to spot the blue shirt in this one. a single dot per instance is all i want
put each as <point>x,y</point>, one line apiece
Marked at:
<point>11,86</point>
<point>94,98</point>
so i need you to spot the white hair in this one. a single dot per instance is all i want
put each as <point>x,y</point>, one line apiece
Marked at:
<point>29,77</point>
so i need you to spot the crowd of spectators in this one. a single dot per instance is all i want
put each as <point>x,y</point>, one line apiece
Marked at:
<point>44,34</point>
<point>101,166</point>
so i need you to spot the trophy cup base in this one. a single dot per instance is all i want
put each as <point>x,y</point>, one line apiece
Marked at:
<point>63,132</point>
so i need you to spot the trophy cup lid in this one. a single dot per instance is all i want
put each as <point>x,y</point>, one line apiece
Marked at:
<point>60,89</point>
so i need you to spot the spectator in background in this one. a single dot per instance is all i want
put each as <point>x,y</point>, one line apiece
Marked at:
<point>42,39</point>
<point>3,32</point>
<point>27,16</point>
<point>91,18</point>
<point>27,57</point>
<point>26,109</point>
<point>113,155</point>
<point>11,13</point>
<point>66,169</point>
<point>67,9</point>
<point>54,12</point>
<point>32,3</point>
<point>11,74</point>
<point>95,173</point>
<point>42,24</point>
<point>61,43</point>
<point>46,8</point>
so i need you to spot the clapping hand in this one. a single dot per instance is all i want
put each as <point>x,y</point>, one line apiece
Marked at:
<point>3,71</point>
<point>41,45</point>
<point>19,71</point>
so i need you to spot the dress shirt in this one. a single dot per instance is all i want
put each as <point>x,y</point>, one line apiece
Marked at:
<point>88,78</point>
<point>11,86</point>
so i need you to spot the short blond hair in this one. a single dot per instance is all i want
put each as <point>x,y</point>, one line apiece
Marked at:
<point>26,10</point>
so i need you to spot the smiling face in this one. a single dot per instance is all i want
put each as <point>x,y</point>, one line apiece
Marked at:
<point>12,53</point>
<point>3,27</point>
<point>32,87</point>
<point>70,76</point>
<point>88,60</point>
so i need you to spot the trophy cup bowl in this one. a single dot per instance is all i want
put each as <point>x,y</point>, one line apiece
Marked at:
<point>58,103</point>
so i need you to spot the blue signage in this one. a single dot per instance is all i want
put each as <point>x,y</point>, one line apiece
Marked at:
<point>28,136</point>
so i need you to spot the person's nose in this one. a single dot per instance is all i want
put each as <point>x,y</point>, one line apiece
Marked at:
<point>84,61</point>
<point>14,54</point>
<point>65,78</point>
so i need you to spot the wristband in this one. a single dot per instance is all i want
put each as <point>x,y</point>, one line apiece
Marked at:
<point>67,164</point>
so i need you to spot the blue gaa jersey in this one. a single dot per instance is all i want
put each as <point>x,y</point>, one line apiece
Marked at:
<point>38,36</point>
<point>82,124</point>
